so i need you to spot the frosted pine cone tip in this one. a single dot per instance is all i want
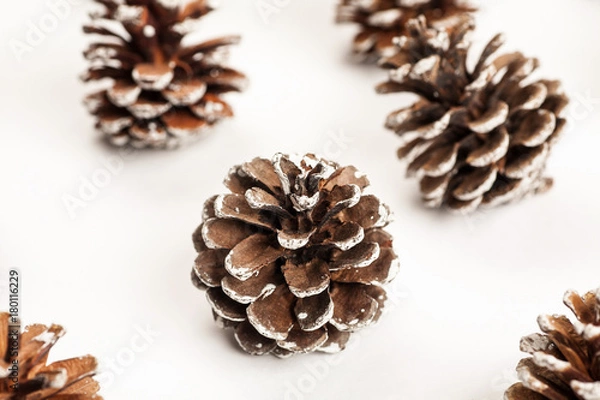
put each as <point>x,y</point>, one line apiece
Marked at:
<point>294,258</point>
<point>565,359</point>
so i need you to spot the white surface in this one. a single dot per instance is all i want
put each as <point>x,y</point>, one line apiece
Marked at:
<point>469,288</point>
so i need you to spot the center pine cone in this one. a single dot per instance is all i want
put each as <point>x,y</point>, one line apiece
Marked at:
<point>294,259</point>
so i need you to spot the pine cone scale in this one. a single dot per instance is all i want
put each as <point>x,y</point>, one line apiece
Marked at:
<point>248,291</point>
<point>306,279</point>
<point>491,150</point>
<point>251,254</point>
<point>253,342</point>
<point>313,312</point>
<point>272,314</point>
<point>211,274</point>
<point>357,310</point>
<point>235,206</point>
<point>302,341</point>
<point>224,306</point>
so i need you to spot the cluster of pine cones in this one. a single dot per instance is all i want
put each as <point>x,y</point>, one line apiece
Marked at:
<point>295,257</point>
<point>476,136</point>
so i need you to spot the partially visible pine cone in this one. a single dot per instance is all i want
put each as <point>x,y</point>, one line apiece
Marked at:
<point>34,378</point>
<point>421,40</point>
<point>478,136</point>
<point>294,259</point>
<point>565,362</point>
<point>162,93</point>
<point>381,21</point>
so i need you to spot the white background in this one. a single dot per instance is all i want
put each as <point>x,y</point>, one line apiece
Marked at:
<point>469,287</point>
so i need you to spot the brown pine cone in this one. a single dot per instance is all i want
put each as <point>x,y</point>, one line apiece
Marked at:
<point>381,21</point>
<point>477,136</point>
<point>421,40</point>
<point>565,362</point>
<point>161,93</point>
<point>294,259</point>
<point>34,379</point>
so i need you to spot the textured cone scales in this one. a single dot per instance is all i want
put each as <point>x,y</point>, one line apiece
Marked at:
<point>476,137</point>
<point>381,21</point>
<point>161,93</point>
<point>294,258</point>
<point>565,359</point>
<point>66,379</point>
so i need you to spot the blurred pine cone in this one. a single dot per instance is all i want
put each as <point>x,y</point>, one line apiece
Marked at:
<point>34,379</point>
<point>162,93</point>
<point>383,20</point>
<point>294,259</point>
<point>477,136</point>
<point>565,362</point>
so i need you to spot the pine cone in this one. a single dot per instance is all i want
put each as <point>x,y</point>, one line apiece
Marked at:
<point>477,136</point>
<point>65,379</point>
<point>383,20</point>
<point>565,362</point>
<point>421,40</point>
<point>162,93</point>
<point>294,259</point>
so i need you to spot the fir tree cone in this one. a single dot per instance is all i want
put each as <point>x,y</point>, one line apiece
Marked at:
<point>295,257</point>
<point>565,359</point>
<point>34,379</point>
<point>381,21</point>
<point>479,136</point>
<point>160,93</point>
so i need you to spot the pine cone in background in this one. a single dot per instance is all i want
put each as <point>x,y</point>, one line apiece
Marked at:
<point>294,259</point>
<point>477,136</point>
<point>565,362</point>
<point>422,41</point>
<point>162,93</point>
<point>383,20</point>
<point>65,379</point>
